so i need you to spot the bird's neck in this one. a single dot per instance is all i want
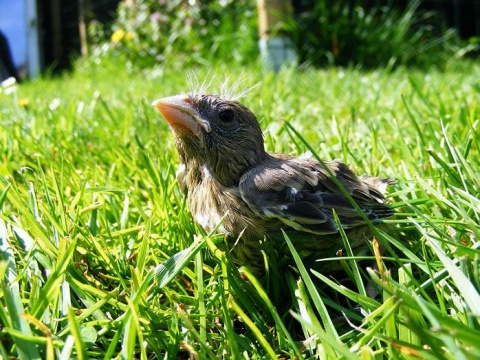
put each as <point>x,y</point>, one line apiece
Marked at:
<point>210,201</point>
<point>202,174</point>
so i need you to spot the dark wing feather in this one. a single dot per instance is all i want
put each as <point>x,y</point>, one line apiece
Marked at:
<point>302,194</point>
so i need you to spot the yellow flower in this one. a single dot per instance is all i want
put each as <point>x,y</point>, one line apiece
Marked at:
<point>129,35</point>
<point>117,36</point>
<point>23,102</point>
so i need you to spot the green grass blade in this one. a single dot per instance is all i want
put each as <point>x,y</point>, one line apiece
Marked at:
<point>165,272</point>
<point>255,330</point>
<point>12,297</point>
<point>76,334</point>
<point>278,321</point>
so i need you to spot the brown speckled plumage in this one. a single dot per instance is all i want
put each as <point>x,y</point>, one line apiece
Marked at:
<point>225,169</point>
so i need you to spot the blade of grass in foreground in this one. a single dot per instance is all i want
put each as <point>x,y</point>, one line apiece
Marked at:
<point>201,297</point>
<point>229,327</point>
<point>329,336</point>
<point>464,285</point>
<point>305,310</point>
<point>353,269</point>
<point>363,300</point>
<point>272,309</point>
<point>12,298</point>
<point>132,330</point>
<point>256,331</point>
<point>76,333</point>
<point>404,333</point>
<point>48,291</point>
<point>444,332</point>
<point>166,271</point>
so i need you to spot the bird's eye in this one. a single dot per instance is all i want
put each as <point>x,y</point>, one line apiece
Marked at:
<point>227,115</point>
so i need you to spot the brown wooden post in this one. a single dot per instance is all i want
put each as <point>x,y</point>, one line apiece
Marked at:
<point>276,48</point>
<point>82,28</point>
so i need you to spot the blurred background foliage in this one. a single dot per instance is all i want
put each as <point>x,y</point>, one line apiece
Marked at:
<point>198,32</point>
<point>355,32</point>
<point>340,33</point>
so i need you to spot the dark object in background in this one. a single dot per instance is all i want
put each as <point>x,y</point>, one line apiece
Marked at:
<point>7,66</point>
<point>59,23</point>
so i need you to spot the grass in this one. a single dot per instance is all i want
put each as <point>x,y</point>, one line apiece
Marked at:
<point>373,34</point>
<point>101,258</point>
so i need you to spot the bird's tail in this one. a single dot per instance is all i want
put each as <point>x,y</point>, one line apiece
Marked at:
<point>378,184</point>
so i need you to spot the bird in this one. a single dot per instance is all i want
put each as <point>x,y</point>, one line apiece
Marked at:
<point>236,187</point>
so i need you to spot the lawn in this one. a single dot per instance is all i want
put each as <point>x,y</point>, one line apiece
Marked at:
<point>101,258</point>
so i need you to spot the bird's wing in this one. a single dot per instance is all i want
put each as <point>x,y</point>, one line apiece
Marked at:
<point>303,195</point>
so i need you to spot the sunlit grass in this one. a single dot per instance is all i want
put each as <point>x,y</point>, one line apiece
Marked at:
<point>90,215</point>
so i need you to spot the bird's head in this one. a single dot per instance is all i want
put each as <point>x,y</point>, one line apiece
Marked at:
<point>221,135</point>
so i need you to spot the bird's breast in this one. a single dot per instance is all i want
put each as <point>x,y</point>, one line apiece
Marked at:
<point>213,204</point>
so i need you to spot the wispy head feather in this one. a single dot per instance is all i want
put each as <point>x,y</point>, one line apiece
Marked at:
<point>227,88</point>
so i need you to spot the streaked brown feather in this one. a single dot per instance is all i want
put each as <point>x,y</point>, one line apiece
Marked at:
<point>225,169</point>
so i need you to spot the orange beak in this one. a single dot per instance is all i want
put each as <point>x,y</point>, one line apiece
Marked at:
<point>179,111</point>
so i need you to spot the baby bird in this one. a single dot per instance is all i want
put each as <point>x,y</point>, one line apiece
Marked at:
<point>226,173</point>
